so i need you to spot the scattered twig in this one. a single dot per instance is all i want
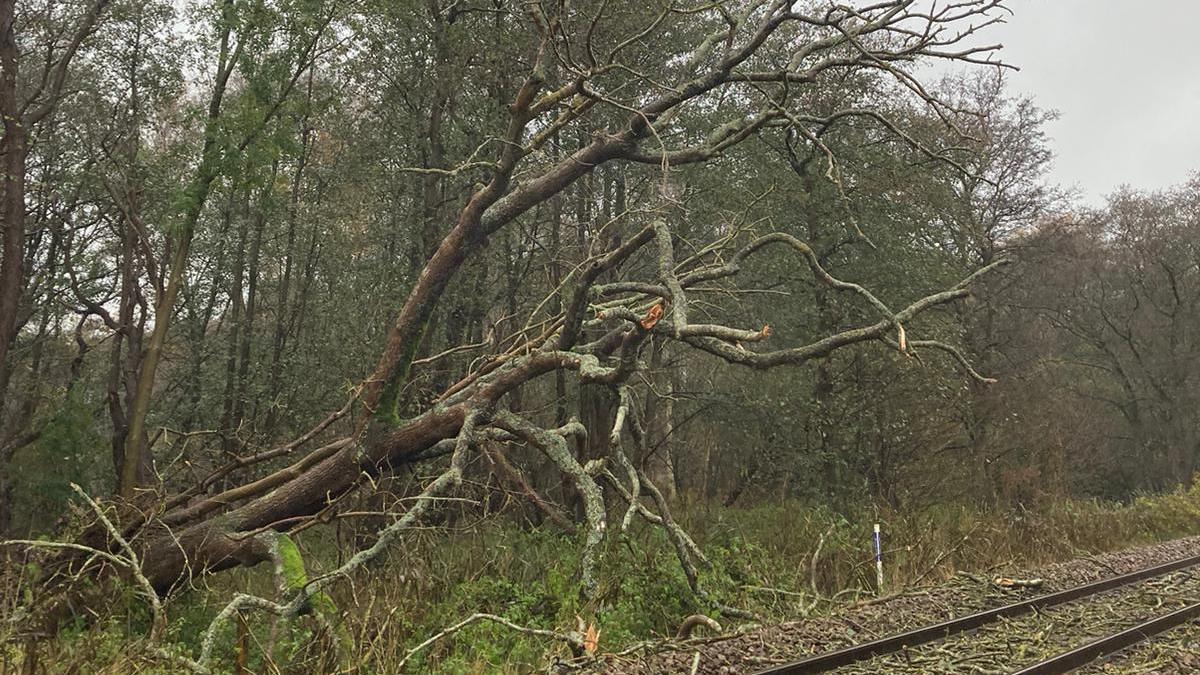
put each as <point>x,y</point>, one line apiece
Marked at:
<point>572,639</point>
<point>693,622</point>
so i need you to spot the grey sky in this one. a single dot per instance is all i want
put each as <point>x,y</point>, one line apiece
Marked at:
<point>1125,76</point>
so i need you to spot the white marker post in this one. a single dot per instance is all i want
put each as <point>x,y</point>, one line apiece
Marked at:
<point>878,562</point>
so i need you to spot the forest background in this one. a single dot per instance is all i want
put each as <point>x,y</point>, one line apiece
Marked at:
<point>715,258</point>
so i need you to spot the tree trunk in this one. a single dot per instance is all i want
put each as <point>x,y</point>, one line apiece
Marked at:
<point>283,297</point>
<point>6,501</point>
<point>137,464</point>
<point>229,425</point>
<point>659,464</point>
<point>241,395</point>
<point>15,150</point>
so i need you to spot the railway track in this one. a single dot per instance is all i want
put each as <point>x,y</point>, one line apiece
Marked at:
<point>1174,584</point>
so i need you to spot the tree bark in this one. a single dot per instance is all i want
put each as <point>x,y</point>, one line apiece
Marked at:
<point>241,396</point>
<point>283,297</point>
<point>15,150</point>
<point>235,310</point>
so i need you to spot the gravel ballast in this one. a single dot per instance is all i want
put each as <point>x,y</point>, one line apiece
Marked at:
<point>770,645</point>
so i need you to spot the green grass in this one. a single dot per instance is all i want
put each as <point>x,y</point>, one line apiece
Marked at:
<point>764,560</point>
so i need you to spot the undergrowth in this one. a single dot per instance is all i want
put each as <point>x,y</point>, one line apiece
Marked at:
<point>765,560</point>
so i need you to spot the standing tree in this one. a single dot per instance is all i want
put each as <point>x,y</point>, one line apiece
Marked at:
<point>37,48</point>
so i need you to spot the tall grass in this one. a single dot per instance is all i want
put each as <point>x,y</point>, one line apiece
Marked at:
<point>765,559</point>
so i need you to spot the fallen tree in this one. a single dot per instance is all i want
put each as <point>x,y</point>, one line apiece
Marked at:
<point>770,60</point>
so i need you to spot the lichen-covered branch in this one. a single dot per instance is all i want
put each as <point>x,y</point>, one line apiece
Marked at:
<point>555,447</point>
<point>305,592</point>
<point>573,639</point>
<point>623,407</point>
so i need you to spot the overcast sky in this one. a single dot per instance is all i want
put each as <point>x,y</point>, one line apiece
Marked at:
<point>1124,75</point>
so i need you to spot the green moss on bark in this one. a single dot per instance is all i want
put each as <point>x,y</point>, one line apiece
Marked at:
<point>292,578</point>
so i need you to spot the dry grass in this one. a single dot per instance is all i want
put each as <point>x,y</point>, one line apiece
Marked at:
<point>765,560</point>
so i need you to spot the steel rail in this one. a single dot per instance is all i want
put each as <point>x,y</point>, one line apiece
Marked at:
<point>820,663</point>
<point>1081,656</point>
